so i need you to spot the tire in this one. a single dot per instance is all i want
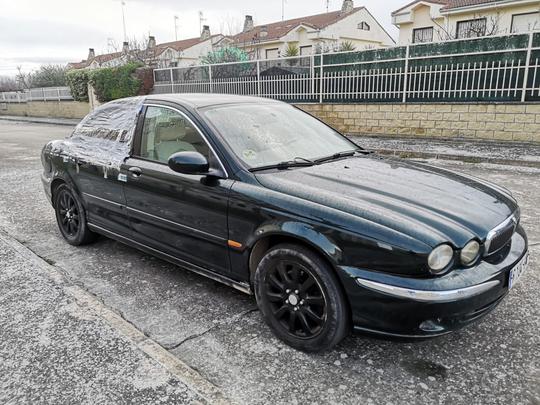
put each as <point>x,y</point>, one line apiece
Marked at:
<point>289,277</point>
<point>71,217</point>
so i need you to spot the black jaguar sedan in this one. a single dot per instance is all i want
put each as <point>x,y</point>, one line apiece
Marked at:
<point>261,196</point>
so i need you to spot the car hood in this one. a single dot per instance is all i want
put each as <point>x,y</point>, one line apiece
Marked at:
<point>430,204</point>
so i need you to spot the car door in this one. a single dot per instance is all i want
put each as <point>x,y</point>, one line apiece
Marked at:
<point>98,147</point>
<point>184,216</point>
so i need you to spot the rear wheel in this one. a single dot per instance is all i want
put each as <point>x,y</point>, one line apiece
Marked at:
<point>300,298</point>
<point>71,217</point>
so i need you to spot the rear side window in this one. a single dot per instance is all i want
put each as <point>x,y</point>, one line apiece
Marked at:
<point>104,136</point>
<point>113,121</point>
<point>166,132</point>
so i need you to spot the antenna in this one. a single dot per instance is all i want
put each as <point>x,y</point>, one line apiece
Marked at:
<point>176,18</point>
<point>327,6</point>
<point>283,9</point>
<point>123,4</point>
<point>201,20</point>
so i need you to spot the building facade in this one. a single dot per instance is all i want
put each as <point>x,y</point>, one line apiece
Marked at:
<point>181,53</point>
<point>319,33</point>
<point>443,20</point>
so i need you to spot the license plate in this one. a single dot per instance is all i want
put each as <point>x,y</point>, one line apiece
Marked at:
<point>518,270</point>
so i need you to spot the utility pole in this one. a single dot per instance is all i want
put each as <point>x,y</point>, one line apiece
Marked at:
<point>176,27</point>
<point>201,20</point>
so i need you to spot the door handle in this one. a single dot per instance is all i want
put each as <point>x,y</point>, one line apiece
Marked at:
<point>135,171</point>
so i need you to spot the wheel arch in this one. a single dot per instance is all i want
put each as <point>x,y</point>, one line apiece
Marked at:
<point>267,241</point>
<point>297,233</point>
<point>58,181</point>
<point>55,184</point>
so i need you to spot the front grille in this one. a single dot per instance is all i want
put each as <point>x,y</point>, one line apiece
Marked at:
<point>500,236</point>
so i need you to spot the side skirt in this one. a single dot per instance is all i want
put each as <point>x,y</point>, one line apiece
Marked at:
<point>243,287</point>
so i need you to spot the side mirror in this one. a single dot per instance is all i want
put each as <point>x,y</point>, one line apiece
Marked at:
<point>189,163</point>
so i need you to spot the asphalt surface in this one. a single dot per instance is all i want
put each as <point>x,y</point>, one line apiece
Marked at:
<point>218,332</point>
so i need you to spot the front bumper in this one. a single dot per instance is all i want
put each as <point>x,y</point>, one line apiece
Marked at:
<point>411,307</point>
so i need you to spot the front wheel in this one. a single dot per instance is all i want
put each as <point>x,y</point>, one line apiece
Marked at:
<point>71,218</point>
<point>300,298</point>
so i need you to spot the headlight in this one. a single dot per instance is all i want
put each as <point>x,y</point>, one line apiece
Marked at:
<point>470,252</point>
<point>440,258</point>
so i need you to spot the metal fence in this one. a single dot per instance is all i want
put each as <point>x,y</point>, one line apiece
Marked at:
<point>499,68</point>
<point>37,94</point>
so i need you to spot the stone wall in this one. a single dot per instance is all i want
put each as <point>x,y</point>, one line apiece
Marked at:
<point>49,109</point>
<point>508,122</point>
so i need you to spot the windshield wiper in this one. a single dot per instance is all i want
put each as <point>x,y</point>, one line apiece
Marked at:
<point>335,156</point>
<point>296,162</point>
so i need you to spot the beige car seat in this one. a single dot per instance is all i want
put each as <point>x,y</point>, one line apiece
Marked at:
<point>171,137</point>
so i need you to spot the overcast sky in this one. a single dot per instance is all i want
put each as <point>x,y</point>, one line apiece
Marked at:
<point>34,32</point>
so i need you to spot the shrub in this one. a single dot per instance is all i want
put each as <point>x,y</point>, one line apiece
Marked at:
<point>48,76</point>
<point>77,81</point>
<point>117,82</point>
<point>347,46</point>
<point>225,55</point>
<point>292,50</point>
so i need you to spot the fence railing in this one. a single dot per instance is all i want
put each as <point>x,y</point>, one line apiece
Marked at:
<point>500,68</point>
<point>36,94</point>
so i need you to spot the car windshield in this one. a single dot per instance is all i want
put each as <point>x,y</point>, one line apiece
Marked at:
<point>269,134</point>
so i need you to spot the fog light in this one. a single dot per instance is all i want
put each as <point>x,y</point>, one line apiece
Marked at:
<point>470,252</point>
<point>440,258</point>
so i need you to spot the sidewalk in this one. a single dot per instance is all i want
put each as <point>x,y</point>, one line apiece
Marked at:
<point>59,344</point>
<point>41,120</point>
<point>467,150</point>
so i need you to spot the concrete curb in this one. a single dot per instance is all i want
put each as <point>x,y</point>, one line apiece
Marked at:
<point>38,120</point>
<point>190,377</point>
<point>462,158</point>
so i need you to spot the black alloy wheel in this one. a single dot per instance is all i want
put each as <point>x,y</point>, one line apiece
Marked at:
<point>296,299</point>
<point>300,298</point>
<point>71,217</point>
<point>69,213</point>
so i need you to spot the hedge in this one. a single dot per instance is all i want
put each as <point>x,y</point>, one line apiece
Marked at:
<point>77,81</point>
<point>113,83</point>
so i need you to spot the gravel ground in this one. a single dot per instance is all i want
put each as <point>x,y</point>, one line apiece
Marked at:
<point>218,332</point>
<point>466,149</point>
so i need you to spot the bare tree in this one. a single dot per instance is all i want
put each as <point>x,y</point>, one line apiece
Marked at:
<point>24,80</point>
<point>8,83</point>
<point>477,26</point>
<point>230,25</point>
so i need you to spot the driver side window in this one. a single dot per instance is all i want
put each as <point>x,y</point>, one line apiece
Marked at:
<point>166,132</point>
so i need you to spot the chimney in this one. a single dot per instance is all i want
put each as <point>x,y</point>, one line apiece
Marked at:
<point>248,23</point>
<point>264,31</point>
<point>91,54</point>
<point>205,34</point>
<point>151,42</point>
<point>347,7</point>
<point>125,47</point>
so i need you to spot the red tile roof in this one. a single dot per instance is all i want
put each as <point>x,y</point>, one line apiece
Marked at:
<point>159,49</point>
<point>281,28</point>
<point>452,4</point>
<point>412,3</point>
<point>180,45</point>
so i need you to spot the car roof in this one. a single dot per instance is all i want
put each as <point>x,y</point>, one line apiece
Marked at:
<point>201,100</point>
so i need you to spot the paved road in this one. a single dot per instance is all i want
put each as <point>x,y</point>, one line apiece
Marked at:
<point>217,331</point>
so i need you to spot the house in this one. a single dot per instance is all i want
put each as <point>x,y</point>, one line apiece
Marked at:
<point>442,20</point>
<point>313,34</point>
<point>181,53</point>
